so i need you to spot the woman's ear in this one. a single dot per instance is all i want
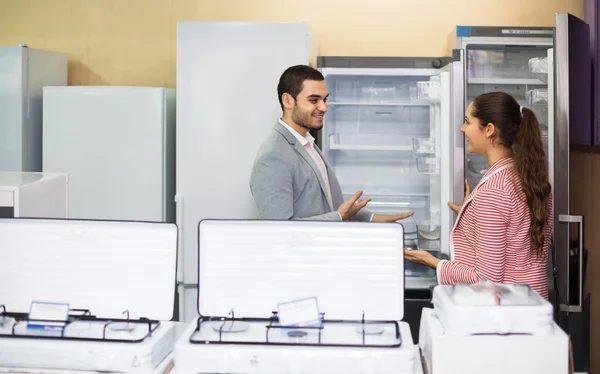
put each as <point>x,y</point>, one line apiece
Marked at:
<point>490,131</point>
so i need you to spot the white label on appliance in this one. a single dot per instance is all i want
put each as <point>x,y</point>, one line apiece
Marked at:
<point>303,312</point>
<point>528,32</point>
<point>47,316</point>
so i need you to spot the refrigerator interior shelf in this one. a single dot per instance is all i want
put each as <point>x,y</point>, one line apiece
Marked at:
<point>368,147</point>
<point>412,102</point>
<point>507,81</point>
<point>385,194</point>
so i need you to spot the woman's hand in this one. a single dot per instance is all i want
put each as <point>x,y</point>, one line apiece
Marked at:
<point>421,257</point>
<point>457,208</point>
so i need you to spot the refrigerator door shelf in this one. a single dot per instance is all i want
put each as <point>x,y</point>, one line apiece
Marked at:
<point>428,165</point>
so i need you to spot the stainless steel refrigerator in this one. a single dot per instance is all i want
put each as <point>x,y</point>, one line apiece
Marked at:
<point>549,71</point>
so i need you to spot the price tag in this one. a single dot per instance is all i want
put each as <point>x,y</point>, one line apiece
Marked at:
<point>47,316</point>
<point>303,312</point>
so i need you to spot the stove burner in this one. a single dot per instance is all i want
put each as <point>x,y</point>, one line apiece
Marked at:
<point>297,334</point>
<point>370,329</point>
<point>230,326</point>
<point>122,326</point>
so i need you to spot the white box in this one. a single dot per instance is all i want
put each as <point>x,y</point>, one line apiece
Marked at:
<point>490,308</point>
<point>490,354</point>
<point>33,195</point>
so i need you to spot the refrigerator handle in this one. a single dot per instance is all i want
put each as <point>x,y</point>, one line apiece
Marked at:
<point>564,218</point>
<point>179,223</point>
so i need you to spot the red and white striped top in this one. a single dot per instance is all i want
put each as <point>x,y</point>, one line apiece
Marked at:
<point>491,236</point>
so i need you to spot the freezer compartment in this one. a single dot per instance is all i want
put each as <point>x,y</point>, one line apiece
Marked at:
<point>502,62</point>
<point>370,119</point>
<point>377,89</point>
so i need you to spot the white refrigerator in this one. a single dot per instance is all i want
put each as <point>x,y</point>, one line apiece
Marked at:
<point>23,73</point>
<point>227,75</point>
<point>393,130</point>
<point>118,146</point>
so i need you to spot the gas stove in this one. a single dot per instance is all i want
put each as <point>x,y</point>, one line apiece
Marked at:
<point>98,264</point>
<point>85,343</point>
<point>353,270</point>
<point>225,345</point>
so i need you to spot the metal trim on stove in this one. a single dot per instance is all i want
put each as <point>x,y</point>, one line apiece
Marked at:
<point>85,315</point>
<point>274,318</point>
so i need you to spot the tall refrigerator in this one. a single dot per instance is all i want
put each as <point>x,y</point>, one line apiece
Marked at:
<point>227,75</point>
<point>24,72</point>
<point>393,130</point>
<point>117,144</point>
<point>549,71</point>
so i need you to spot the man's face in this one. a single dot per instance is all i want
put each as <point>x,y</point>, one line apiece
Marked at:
<point>311,105</point>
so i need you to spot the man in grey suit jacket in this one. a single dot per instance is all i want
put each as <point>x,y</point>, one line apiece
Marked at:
<point>290,178</point>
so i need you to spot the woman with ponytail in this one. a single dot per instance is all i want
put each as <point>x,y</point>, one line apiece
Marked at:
<point>504,226</point>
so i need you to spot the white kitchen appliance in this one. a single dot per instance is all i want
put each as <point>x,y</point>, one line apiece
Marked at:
<point>486,308</point>
<point>448,351</point>
<point>24,72</point>
<point>118,279</point>
<point>118,146</point>
<point>248,268</point>
<point>39,195</point>
<point>227,75</point>
<point>393,130</point>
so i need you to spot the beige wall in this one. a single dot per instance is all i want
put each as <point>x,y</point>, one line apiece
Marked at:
<point>132,42</point>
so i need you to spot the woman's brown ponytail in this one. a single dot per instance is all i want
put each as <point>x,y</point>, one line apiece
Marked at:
<point>531,163</point>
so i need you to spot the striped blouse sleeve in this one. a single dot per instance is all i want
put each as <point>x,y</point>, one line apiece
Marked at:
<point>491,216</point>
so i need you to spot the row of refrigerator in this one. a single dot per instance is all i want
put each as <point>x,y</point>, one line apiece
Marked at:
<point>392,130</point>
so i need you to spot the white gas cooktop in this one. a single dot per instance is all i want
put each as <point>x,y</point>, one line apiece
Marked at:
<point>353,271</point>
<point>86,343</point>
<point>262,346</point>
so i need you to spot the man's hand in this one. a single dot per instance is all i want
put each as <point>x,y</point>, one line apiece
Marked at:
<point>352,206</point>
<point>391,217</point>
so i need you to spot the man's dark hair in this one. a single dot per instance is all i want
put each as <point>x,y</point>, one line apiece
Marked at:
<point>292,80</point>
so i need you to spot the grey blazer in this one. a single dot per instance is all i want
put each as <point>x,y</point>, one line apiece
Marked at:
<point>286,183</point>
